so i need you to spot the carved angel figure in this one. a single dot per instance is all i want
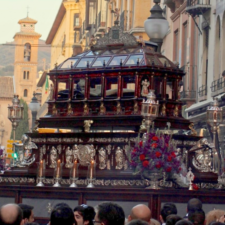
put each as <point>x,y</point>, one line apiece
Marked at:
<point>116,13</point>
<point>119,158</point>
<point>69,155</point>
<point>24,151</point>
<point>102,158</point>
<point>53,157</point>
<point>145,84</point>
<point>75,152</point>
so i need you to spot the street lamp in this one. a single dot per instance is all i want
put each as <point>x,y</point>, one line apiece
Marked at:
<point>34,106</point>
<point>15,114</point>
<point>156,26</point>
<point>214,119</point>
<point>150,109</point>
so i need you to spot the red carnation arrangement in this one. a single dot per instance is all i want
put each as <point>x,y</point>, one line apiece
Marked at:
<point>155,152</point>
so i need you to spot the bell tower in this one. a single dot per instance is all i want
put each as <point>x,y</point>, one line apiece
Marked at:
<point>26,58</point>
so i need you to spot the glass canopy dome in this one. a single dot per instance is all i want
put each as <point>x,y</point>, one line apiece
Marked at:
<point>117,57</point>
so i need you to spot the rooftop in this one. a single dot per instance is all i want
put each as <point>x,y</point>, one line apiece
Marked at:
<point>27,20</point>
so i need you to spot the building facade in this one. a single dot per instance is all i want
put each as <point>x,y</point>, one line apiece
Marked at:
<point>6,96</point>
<point>78,22</point>
<point>26,57</point>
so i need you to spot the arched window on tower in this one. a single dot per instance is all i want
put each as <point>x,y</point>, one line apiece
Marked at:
<point>24,75</point>
<point>28,73</point>
<point>27,52</point>
<point>25,93</point>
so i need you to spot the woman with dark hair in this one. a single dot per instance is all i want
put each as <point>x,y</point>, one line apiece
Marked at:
<point>84,214</point>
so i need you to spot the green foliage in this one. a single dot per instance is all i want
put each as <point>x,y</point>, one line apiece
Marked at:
<point>23,126</point>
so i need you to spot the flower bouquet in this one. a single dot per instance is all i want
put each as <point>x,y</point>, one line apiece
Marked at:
<point>154,156</point>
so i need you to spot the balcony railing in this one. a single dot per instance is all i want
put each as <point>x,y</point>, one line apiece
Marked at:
<point>197,7</point>
<point>188,96</point>
<point>202,93</point>
<point>218,87</point>
<point>126,20</point>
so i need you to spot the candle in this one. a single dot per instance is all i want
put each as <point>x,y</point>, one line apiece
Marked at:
<point>41,169</point>
<point>58,169</point>
<point>74,168</point>
<point>92,169</point>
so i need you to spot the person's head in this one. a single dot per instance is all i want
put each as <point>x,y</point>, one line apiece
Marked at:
<point>60,205</point>
<point>141,212</point>
<point>184,222</point>
<point>167,209</point>
<point>194,204</point>
<point>154,222</point>
<point>11,214</point>
<point>197,217</point>
<point>28,214</point>
<point>213,215</point>
<point>172,219</point>
<point>109,213</point>
<point>34,223</point>
<point>138,222</point>
<point>62,215</point>
<point>84,214</point>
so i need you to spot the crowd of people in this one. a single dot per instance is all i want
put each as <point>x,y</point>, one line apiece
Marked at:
<point>109,213</point>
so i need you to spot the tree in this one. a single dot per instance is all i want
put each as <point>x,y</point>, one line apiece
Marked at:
<point>23,126</point>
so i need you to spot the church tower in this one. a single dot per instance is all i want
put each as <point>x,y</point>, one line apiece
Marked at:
<point>26,59</point>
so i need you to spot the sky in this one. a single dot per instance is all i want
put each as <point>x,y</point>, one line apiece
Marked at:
<point>11,11</point>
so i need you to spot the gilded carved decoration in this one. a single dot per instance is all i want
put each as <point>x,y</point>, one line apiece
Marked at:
<point>53,157</point>
<point>102,157</point>
<point>119,158</point>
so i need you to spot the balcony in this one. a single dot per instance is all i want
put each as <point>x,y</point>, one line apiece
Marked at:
<point>188,96</point>
<point>126,20</point>
<point>197,7</point>
<point>218,87</point>
<point>202,93</point>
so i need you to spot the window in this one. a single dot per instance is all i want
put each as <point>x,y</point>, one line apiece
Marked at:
<point>84,62</point>
<point>69,63</point>
<point>117,60</point>
<point>78,89</point>
<point>101,61</point>
<point>185,39</point>
<point>91,12</point>
<point>27,52</point>
<point>95,90</point>
<point>63,90</point>
<point>134,60</point>
<point>26,75</point>
<point>128,87</point>
<point>111,88</point>
<point>76,21</point>
<point>176,46</point>
<point>25,93</point>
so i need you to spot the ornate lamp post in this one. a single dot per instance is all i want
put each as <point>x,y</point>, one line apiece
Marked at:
<point>15,114</point>
<point>34,106</point>
<point>156,26</point>
<point>150,109</point>
<point>214,119</point>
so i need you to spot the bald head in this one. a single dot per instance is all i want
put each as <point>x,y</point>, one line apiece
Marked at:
<point>11,214</point>
<point>141,212</point>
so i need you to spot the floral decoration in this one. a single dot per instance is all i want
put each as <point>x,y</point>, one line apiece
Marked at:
<point>155,152</point>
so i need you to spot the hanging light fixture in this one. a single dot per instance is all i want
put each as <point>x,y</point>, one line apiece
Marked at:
<point>156,26</point>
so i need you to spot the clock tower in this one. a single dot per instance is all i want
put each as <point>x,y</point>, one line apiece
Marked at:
<point>26,59</point>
